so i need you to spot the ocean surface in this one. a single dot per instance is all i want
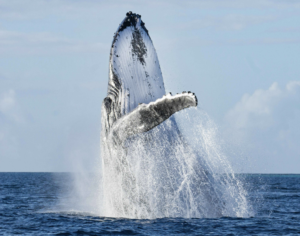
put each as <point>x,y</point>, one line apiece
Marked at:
<point>30,205</point>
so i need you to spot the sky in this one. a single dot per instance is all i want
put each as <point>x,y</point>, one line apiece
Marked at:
<point>240,57</point>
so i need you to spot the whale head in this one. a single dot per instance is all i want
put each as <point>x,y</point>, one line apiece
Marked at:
<point>135,78</point>
<point>134,71</point>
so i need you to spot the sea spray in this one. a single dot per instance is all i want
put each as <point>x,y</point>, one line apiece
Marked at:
<point>80,191</point>
<point>203,136</point>
<point>170,173</point>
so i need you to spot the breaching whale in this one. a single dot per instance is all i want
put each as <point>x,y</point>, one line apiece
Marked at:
<point>144,172</point>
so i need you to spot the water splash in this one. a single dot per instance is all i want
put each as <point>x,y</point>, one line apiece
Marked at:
<point>203,136</point>
<point>177,169</point>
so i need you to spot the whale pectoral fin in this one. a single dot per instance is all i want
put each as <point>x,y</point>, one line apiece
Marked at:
<point>147,116</point>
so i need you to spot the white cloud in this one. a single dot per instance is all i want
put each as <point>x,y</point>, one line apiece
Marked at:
<point>10,116</point>
<point>242,4</point>
<point>8,107</point>
<point>263,108</point>
<point>33,9</point>
<point>38,135</point>
<point>7,101</point>
<point>40,43</point>
<point>36,9</point>
<point>36,14</point>
<point>227,22</point>
<point>285,30</point>
<point>267,122</point>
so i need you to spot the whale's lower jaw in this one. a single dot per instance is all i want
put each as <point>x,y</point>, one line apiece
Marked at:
<point>146,116</point>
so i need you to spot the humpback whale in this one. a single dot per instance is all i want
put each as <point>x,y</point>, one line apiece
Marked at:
<point>144,172</point>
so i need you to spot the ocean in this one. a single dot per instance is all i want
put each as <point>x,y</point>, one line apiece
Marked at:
<point>30,205</point>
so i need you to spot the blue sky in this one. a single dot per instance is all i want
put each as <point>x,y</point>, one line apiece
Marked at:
<point>241,58</point>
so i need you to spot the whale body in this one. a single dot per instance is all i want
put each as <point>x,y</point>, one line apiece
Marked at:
<point>145,174</point>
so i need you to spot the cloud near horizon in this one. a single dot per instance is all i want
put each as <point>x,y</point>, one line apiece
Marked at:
<point>9,110</point>
<point>10,117</point>
<point>25,9</point>
<point>266,123</point>
<point>16,43</point>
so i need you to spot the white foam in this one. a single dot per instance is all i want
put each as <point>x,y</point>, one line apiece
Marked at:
<point>159,175</point>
